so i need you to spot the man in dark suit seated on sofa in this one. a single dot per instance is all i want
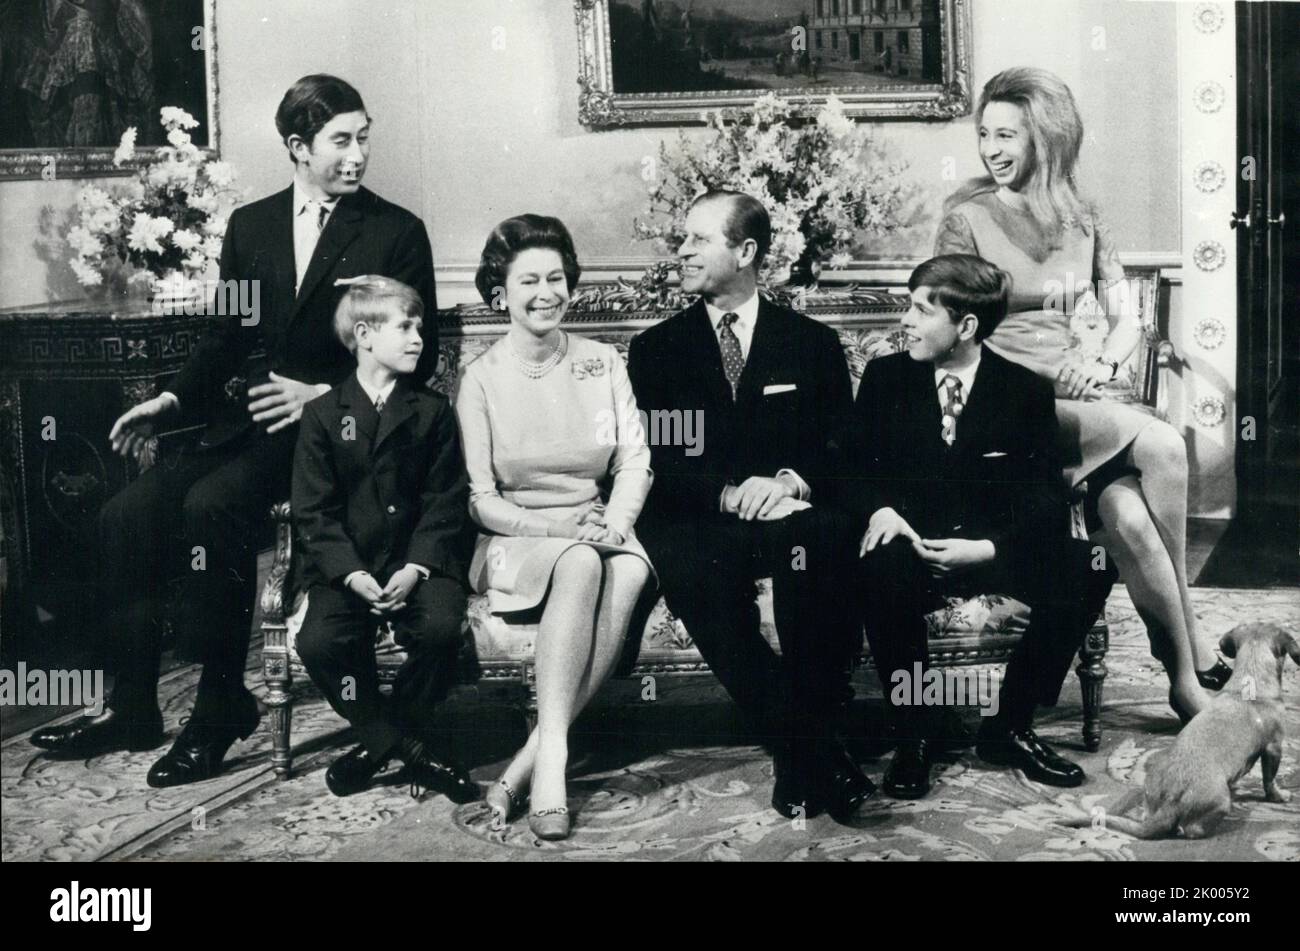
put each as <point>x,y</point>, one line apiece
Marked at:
<point>197,516</point>
<point>772,390</point>
<point>955,475</point>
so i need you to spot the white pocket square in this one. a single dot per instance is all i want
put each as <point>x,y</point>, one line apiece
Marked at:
<point>774,388</point>
<point>994,455</point>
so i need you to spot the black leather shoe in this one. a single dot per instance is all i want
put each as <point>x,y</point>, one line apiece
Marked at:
<point>1216,677</point>
<point>908,775</point>
<point>353,772</point>
<point>427,772</point>
<point>794,795</point>
<point>199,750</point>
<point>844,787</point>
<point>1023,750</point>
<point>107,733</point>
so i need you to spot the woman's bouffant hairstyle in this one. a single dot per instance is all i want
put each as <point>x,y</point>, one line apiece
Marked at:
<point>965,284</point>
<point>311,103</point>
<point>1055,137</point>
<point>512,238</point>
<point>373,300</point>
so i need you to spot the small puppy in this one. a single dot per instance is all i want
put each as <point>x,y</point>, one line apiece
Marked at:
<point>1189,787</point>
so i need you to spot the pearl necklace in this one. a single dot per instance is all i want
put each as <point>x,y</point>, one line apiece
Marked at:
<point>535,371</point>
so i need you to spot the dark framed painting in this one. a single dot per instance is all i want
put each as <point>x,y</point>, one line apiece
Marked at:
<point>665,62</point>
<point>75,74</point>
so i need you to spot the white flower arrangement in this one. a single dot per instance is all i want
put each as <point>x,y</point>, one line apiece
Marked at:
<point>823,183</point>
<point>169,220</point>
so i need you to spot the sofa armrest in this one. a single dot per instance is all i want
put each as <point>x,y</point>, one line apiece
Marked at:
<point>274,595</point>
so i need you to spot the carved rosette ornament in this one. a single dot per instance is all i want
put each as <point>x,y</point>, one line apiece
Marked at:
<point>1209,256</point>
<point>1209,333</point>
<point>1209,411</point>
<point>1209,96</point>
<point>1208,17</point>
<point>1209,177</point>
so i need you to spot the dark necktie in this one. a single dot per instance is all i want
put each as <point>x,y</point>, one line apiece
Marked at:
<point>953,404</point>
<point>733,359</point>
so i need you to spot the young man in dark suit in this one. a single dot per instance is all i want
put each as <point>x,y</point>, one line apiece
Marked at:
<point>380,502</point>
<point>771,389</point>
<point>960,488</point>
<point>198,516</point>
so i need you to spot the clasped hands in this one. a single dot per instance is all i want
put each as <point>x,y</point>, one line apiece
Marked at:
<point>762,498</point>
<point>586,525</point>
<point>1082,381</point>
<point>943,555</point>
<point>389,599</point>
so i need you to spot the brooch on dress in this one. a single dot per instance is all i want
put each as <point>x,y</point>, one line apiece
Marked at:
<point>582,369</point>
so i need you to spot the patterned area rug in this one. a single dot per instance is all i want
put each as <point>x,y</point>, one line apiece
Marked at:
<point>642,789</point>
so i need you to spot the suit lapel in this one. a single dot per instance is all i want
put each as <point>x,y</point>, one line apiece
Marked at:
<point>706,350</point>
<point>340,231</point>
<point>927,414</point>
<point>981,402</point>
<point>279,247</point>
<point>764,352</point>
<point>354,402</point>
<point>399,408</point>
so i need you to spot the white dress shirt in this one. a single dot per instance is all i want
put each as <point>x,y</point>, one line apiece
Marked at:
<point>746,318</point>
<point>967,377</point>
<point>307,229</point>
<point>743,327</point>
<point>374,394</point>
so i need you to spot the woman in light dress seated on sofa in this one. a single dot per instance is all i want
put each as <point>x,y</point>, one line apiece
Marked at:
<point>1026,217</point>
<point>558,472</point>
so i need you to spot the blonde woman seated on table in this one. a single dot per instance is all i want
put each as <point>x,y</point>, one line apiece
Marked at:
<point>537,411</point>
<point>1026,217</point>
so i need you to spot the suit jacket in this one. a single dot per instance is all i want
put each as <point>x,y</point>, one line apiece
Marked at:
<point>393,493</point>
<point>677,366</point>
<point>1000,480</point>
<point>294,335</point>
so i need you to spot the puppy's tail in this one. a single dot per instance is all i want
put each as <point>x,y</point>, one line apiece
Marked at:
<point>1106,815</point>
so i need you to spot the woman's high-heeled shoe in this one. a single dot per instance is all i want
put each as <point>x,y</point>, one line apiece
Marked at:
<point>504,803</point>
<point>550,824</point>
<point>1216,677</point>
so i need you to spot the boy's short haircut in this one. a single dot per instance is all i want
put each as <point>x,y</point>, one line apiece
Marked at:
<point>965,284</point>
<point>373,300</point>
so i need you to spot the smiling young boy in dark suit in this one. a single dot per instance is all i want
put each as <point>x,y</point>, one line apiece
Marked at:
<point>379,502</point>
<point>957,479</point>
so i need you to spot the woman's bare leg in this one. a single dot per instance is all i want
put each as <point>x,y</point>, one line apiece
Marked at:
<point>563,655</point>
<point>624,578</point>
<point>1160,454</point>
<point>1145,567</point>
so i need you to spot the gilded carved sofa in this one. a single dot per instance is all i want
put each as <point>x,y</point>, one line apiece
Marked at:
<point>499,655</point>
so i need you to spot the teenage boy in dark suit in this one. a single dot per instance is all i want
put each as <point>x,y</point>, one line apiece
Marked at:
<point>956,477</point>
<point>380,501</point>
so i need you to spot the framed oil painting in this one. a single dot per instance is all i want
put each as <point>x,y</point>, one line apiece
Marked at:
<point>75,74</point>
<point>665,62</point>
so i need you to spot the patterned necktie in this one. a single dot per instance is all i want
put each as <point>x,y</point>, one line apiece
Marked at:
<point>379,404</point>
<point>733,359</point>
<point>953,404</point>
